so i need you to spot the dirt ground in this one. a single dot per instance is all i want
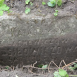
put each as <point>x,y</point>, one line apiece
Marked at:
<point>39,9</point>
<point>6,71</point>
<point>19,72</point>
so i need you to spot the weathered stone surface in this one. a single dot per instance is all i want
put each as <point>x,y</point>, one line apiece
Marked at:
<point>42,51</point>
<point>14,29</point>
<point>30,38</point>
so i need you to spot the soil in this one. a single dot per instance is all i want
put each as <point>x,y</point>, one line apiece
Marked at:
<point>68,6</point>
<point>20,72</point>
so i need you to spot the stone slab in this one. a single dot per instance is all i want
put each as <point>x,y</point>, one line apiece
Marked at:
<point>29,38</point>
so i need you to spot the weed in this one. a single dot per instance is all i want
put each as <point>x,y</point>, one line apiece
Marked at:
<point>3,7</point>
<point>8,11</point>
<point>56,13</point>
<point>63,73</point>
<point>44,67</point>
<point>73,67</point>
<point>31,3</point>
<point>53,3</point>
<point>60,73</point>
<point>27,2</point>
<point>43,3</point>
<point>7,67</point>
<point>27,10</point>
<point>40,66</point>
<point>59,2</point>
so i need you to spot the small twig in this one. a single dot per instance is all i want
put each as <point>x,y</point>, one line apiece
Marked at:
<point>53,63</point>
<point>32,66</point>
<point>30,71</point>
<point>61,63</point>
<point>34,63</point>
<point>13,68</point>
<point>68,64</point>
<point>64,62</point>
<point>36,67</point>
